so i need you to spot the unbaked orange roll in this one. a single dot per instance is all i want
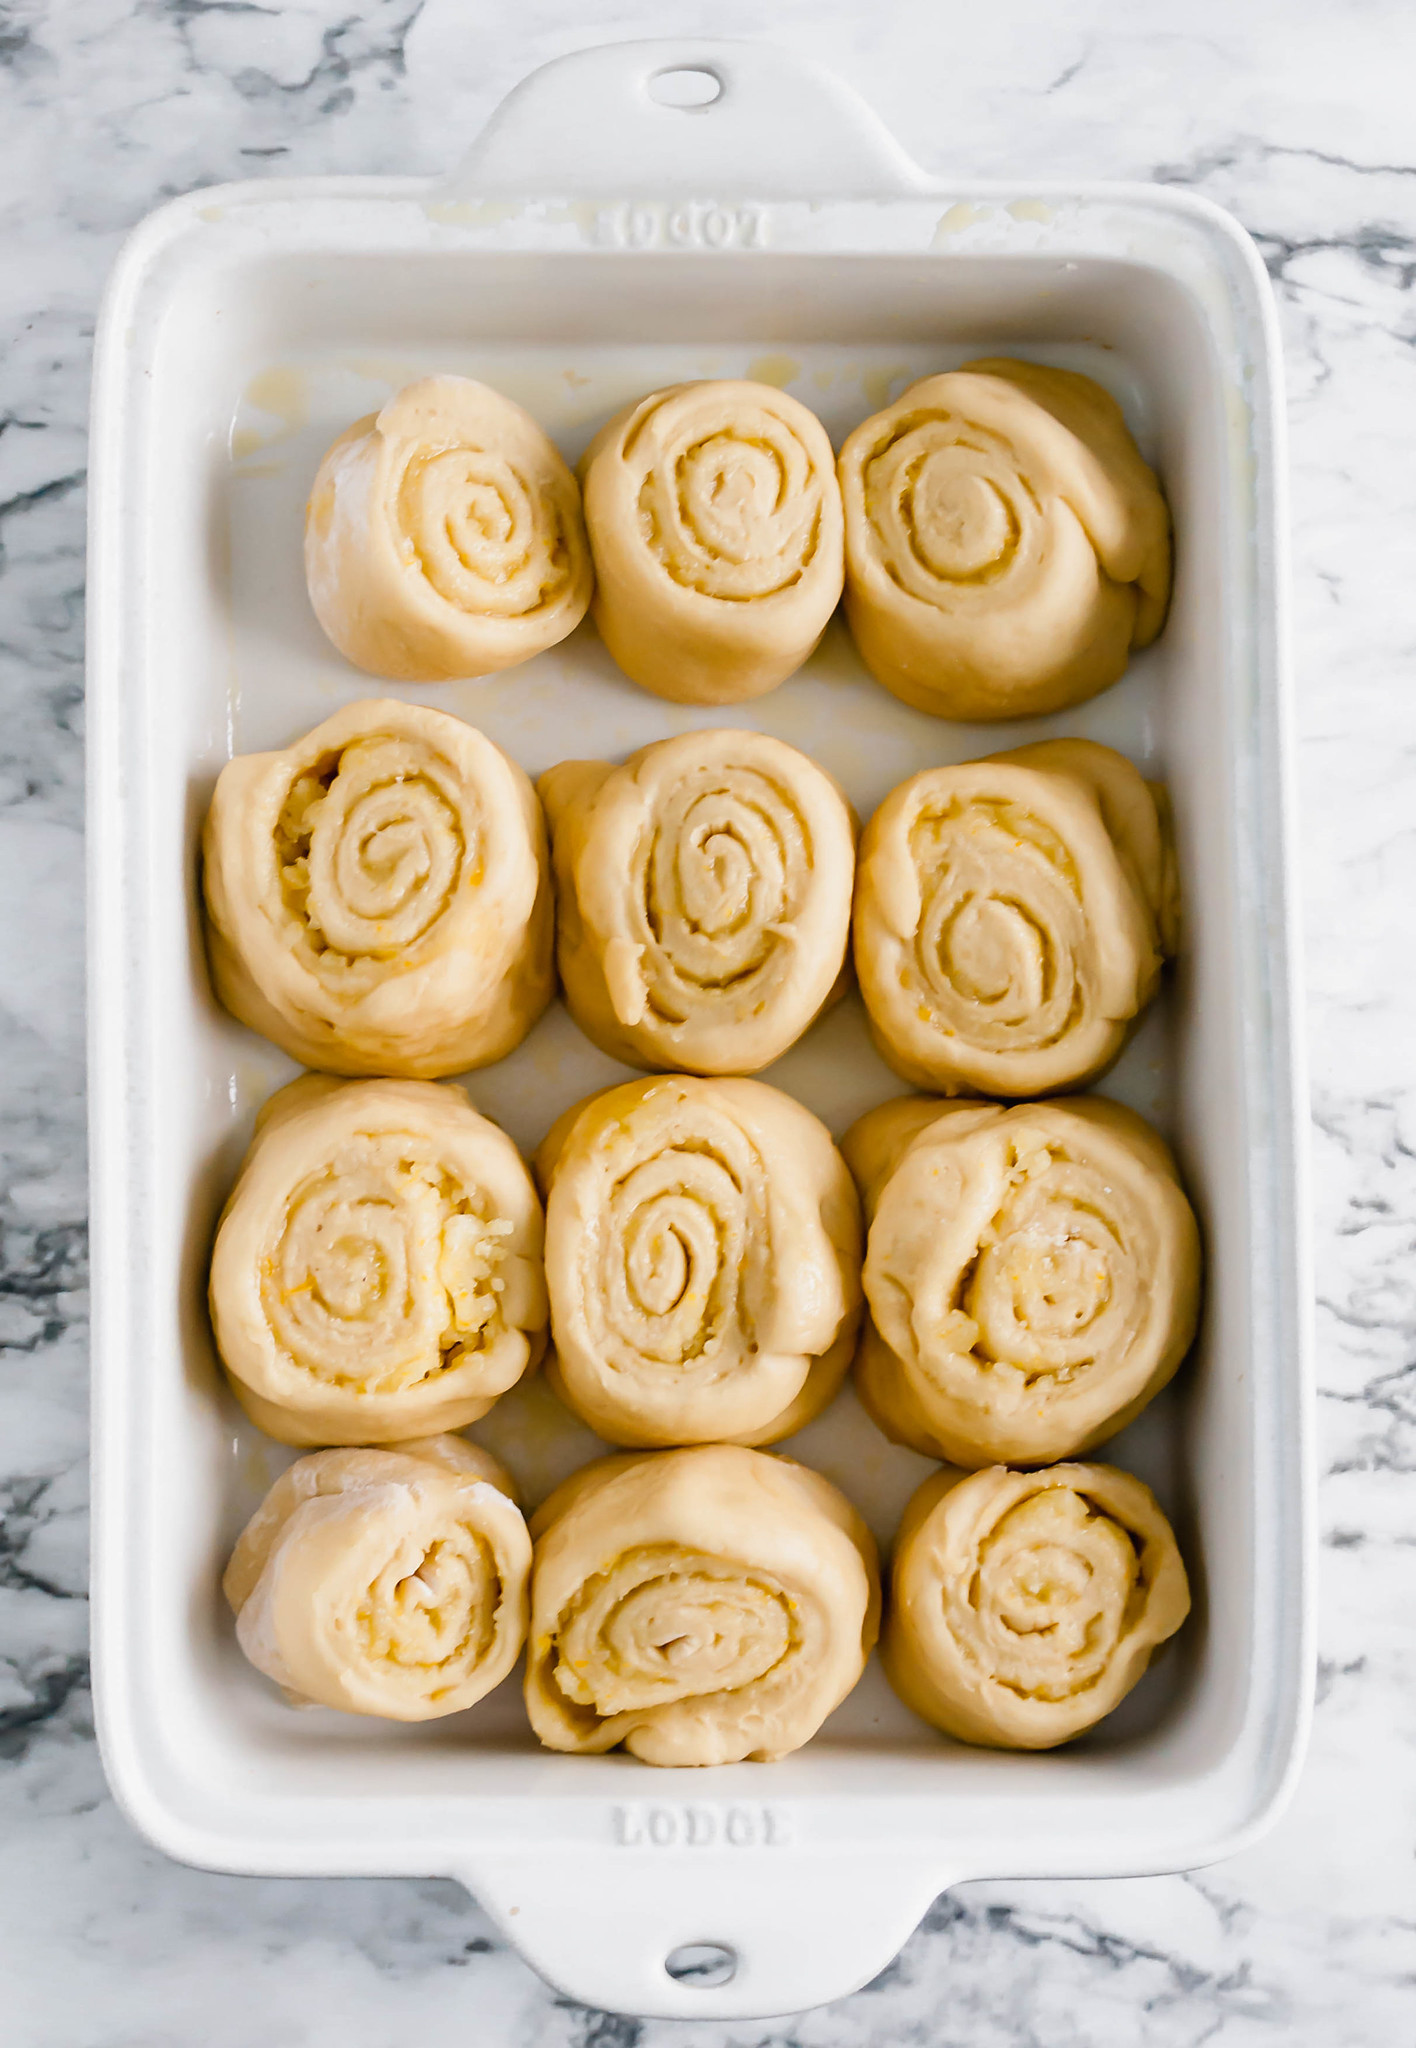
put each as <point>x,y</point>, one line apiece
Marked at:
<point>699,1606</point>
<point>384,1582</point>
<point>715,520</point>
<point>703,895</point>
<point>1006,545</point>
<point>702,1262</point>
<point>444,537</point>
<point>377,1271</point>
<point>1011,917</point>
<point>379,895</point>
<point>1026,1605</point>
<point>1033,1274</point>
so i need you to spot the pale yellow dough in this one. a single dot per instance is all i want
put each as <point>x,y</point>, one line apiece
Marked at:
<point>379,895</point>
<point>444,537</point>
<point>1033,1274</point>
<point>1006,546</point>
<point>377,1273</point>
<point>702,1261</point>
<point>715,520</point>
<point>1025,1605</point>
<point>700,1606</point>
<point>385,1582</point>
<point>1012,915</point>
<point>703,898</point>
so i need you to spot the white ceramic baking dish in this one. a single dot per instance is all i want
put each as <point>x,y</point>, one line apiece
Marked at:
<point>595,244</point>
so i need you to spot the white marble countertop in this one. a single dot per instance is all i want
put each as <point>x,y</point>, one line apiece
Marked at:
<point>1297,115</point>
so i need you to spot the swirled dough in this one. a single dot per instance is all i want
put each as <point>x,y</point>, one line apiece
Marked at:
<point>702,1260</point>
<point>444,537</point>
<point>1033,1274</point>
<point>1025,1605</point>
<point>1012,915</point>
<point>385,1582</point>
<point>715,520</point>
<point>699,1606</point>
<point>703,896</point>
<point>1006,546</point>
<point>377,1272</point>
<point>379,895</point>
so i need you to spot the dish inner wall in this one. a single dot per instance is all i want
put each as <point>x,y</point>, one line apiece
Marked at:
<point>289,354</point>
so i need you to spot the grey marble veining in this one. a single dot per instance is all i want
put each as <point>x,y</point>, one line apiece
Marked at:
<point>1297,115</point>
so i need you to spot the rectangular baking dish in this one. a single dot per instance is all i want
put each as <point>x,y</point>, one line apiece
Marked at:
<point>593,245</point>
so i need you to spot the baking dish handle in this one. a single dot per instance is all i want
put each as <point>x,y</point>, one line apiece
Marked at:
<point>596,124</point>
<point>677,1932</point>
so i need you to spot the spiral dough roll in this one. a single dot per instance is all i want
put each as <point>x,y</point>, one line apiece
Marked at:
<point>379,896</point>
<point>444,537</point>
<point>1032,1273</point>
<point>702,1260</point>
<point>703,896</point>
<point>715,519</point>
<point>377,1271</point>
<point>1025,1605</point>
<point>385,1582</point>
<point>1006,546</point>
<point>1011,917</point>
<point>700,1606</point>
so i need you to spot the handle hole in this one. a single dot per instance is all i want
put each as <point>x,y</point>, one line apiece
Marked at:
<point>685,86</point>
<point>702,1964</point>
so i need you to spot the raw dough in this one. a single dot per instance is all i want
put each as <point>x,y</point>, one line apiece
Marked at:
<point>1012,915</point>
<point>1033,1274</point>
<point>377,1272</point>
<point>702,1260</point>
<point>699,1606</point>
<point>379,895</point>
<point>444,537</point>
<point>385,1582</point>
<point>1006,546</point>
<point>1025,1605</point>
<point>715,520</point>
<point>703,895</point>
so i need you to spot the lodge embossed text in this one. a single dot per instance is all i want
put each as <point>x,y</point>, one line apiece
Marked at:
<point>700,1826</point>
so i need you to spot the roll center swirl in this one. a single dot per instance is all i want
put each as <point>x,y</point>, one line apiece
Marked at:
<point>1002,932</point>
<point>372,850</point>
<point>676,1249</point>
<point>1051,1594</point>
<point>665,1624</point>
<point>991,951</point>
<point>382,1272</point>
<point>430,1609</point>
<point>355,1274</point>
<point>1054,1286</point>
<point>959,521</point>
<point>481,535</point>
<point>723,872</point>
<point>732,491</point>
<point>717,877</point>
<point>950,508</point>
<point>730,508</point>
